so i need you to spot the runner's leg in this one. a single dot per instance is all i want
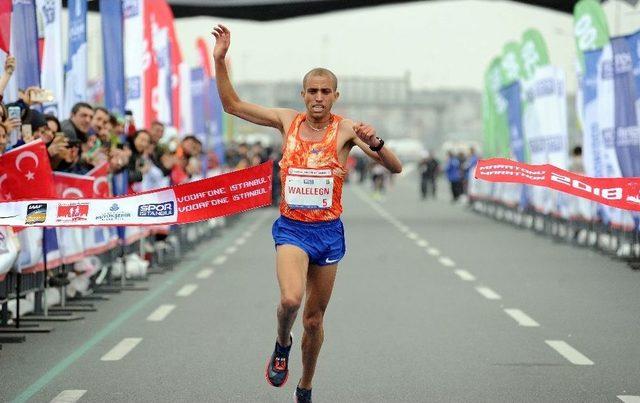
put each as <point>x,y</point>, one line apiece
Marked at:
<point>320,280</point>
<point>291,267</point>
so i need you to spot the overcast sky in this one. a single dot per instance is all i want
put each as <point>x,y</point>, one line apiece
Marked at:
<point>444,44</point>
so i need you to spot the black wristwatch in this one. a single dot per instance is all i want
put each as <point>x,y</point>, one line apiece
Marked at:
<point>379,147</point>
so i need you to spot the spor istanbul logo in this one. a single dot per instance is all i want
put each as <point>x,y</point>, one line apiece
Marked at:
<point>113,214</point>
<point>156,209</point>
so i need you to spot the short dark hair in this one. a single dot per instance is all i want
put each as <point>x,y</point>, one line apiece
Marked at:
<point>113,120</point>
<point>101,109</point>
<point>79,105</point>
<point>192,137</point>
<point>320,71</point>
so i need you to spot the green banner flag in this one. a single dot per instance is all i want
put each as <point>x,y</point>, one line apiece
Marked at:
<point>511,63</point>
<point>497,130</point>
<point>590,27</point>
<point>533,52</point>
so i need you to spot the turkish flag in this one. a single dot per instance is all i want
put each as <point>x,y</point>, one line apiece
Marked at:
<point>72,186</point>
<point>25,173</point>
<point>101,184</point>
<point>5,25</point>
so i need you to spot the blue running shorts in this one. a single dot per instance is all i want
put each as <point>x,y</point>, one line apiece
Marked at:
<point>323,241</point>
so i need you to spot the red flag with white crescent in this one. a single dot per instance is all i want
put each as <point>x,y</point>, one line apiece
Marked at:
<point>72,186</point>
<point>101,183</point>
<point>25,173</point>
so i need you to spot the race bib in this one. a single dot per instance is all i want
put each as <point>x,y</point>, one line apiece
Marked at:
<point>307,188</point>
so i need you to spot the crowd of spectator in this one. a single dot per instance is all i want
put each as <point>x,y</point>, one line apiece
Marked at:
<point>91,135</point>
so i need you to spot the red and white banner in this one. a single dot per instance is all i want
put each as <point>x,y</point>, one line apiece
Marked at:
<point>218,196</point>
<point>623,193</point>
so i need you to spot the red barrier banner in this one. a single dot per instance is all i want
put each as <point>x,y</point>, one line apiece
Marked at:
<point>623,193</point>
<point>221,195</point>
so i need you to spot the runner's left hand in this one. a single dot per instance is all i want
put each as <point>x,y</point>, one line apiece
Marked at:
<point>366,133</point>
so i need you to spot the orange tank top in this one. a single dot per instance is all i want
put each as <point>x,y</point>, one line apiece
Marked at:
<point>311,175</point>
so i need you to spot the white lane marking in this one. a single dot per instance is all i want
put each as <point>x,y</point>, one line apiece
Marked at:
<point>433,251</point>
<point>465,275</point>
<point>186,290</point>
<point>571,354</point>
<point>161,313</point>
<point>219,260</point>
<point>488,293</point>
<point>121,349</point>
<point>247,234</point>
<point>422,243</point>
<point>204,273</point>
<point>231,250</point>
<point>240,241</point>
<point>412,235</point>
<point>445,261</point>
<point>403,229</point>
<point>69,396</point>
<point>522,318</point>
<point>629,398</point>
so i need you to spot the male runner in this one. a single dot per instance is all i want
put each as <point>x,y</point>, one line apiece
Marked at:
<point>309,235</point>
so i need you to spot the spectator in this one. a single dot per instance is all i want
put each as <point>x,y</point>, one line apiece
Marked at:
<point>71,162</point>
<point>138,165</point>
<point>156,131</point>
<point>53,123</point>
<point>429,168</point>
<point>4,139</point>
<point>9,68</point>
<point>575,164</point>
<point>468,166</point>
<point>78,125</point>
<point>100,119</point>
<point>454,175</point>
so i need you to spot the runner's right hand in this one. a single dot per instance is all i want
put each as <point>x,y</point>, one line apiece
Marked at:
<point>223,41</point>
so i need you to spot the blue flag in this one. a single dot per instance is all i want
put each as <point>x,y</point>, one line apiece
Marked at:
<point>76,68</point>
<point>198,103</point>
<point>25,46</point>
<point>113,55</point>
<point>216,143</point>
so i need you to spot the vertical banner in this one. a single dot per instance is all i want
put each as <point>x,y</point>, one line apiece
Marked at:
<point>136,58</point>
<point>591,34</point>
<point>512,72</point>
<point>5,45</point>
<point>52,72</point>
<point>159,83</point>
<point>24,43</point>
<point>112,21</point>
<point>606,112</point>
<point>198,103</point>
<point>161,76</point>
<point>176,77</point>
<point>511,94</point>
<point>186,115</point>
<point>626,77</point>
<point>76,69</point>
<point>203,53</point>
<point>216,116</point>
<point>626,131</point>
<point>546,127</point>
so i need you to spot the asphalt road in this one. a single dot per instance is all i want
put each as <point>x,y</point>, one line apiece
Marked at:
<point>432,303</point>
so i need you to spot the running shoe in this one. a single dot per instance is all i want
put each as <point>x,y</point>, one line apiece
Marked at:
<point>277,370</point>
<point>302,395</point>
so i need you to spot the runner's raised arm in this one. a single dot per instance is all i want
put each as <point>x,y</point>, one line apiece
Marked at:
<point>231,102</point>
